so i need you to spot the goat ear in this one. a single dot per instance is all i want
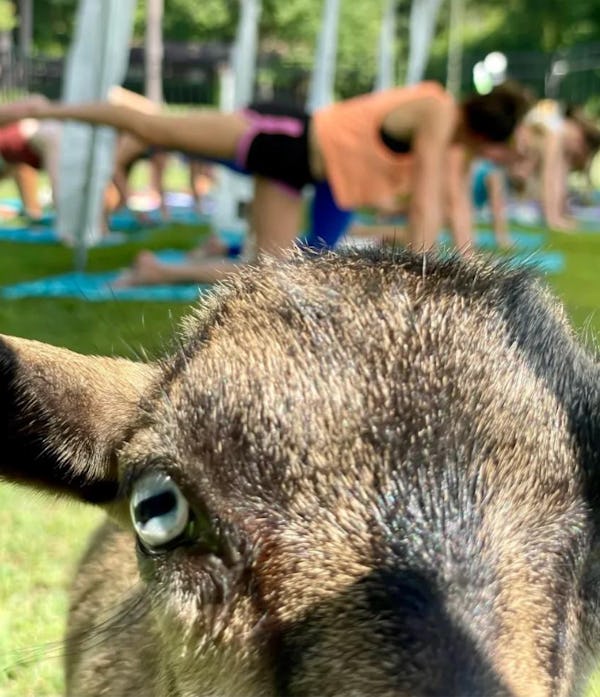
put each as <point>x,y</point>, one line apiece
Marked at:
<point>64,415</point>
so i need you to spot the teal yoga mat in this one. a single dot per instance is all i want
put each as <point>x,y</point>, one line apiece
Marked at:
<point>41,235</point>
<point>96,287</point>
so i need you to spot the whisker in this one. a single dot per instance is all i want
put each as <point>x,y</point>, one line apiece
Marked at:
<point>127,613</point>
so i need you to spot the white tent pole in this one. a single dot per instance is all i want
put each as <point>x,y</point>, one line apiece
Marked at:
<point>245,50</point>
<point>237,90</point>
<point>97,60</point>
<point>423,15</point>
<point>454,64</point>
<point>387,35</point>
<point>322,80</point>
<point>153,50</point>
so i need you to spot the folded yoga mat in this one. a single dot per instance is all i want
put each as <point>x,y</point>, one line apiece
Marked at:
<point>97,286</point>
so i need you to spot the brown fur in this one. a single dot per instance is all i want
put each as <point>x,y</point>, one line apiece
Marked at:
<point>392,463</point>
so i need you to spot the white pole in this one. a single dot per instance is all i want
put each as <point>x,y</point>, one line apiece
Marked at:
<point>245,50</point>
<point>322,80</point>
<point>454,65</point>
<point>387,35</point>
<point>237,90</point>
<point>97,60</point>
<point>153,53</point>
<point>423,14</point>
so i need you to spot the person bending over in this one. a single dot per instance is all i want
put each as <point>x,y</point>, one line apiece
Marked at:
<point>27,146</point>
<point>553,145</point>
<point>364,151</point>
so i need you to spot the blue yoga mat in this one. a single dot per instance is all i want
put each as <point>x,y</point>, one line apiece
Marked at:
<point>119,223</point>
<point>544,262</point>
<point>520,239</point>
<point>126,220</point>
<point>587,217</point>
<point>97,286</point>
<point>29,235</point>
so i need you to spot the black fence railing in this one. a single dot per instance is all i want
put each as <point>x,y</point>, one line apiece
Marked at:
<point>191,74</point>
<point>572,75</point>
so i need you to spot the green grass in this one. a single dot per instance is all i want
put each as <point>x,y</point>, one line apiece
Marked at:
<point>119,328</point>
<point>40,538</point>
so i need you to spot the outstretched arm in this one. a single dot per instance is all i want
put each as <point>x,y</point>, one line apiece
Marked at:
<point>497,196</point>
<point>433,128</point>
<point>458,197</point>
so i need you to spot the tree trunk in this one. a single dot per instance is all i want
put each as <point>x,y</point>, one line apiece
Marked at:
<point>154,50</point>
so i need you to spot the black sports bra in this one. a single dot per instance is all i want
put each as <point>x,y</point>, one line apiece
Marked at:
<point>398,146</point>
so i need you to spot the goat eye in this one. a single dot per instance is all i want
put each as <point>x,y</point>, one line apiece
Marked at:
<point>159,511</point>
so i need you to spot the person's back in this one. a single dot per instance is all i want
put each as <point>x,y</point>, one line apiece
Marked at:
<point>363,165</point>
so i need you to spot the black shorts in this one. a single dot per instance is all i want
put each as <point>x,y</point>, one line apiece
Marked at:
<point>275,145</point>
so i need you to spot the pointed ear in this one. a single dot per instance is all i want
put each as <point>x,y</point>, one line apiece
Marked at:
<point>64,415</point>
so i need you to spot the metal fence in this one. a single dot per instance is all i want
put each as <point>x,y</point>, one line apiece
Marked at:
<point>191,74</point>
<point>571,76</point>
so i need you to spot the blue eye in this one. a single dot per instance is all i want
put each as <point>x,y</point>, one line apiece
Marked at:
<point>159,511</point>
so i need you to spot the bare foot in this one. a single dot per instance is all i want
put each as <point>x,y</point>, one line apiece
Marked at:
<point>213,247</point>
<point>146,270</point>
<point>22,109</point>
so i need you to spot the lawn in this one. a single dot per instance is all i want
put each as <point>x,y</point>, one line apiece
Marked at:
<point>40,538</point>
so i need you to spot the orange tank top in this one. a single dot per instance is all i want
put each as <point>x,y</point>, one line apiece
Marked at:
<point>361,169</point>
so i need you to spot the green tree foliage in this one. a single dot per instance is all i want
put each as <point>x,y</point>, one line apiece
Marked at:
<point>8,19</point>
<point>193,20</point>
<point>291,26</point>
<point>526,25</point>
<point>53,25</point>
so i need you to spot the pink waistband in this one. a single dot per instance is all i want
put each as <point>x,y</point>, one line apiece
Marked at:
<point>264,123</point>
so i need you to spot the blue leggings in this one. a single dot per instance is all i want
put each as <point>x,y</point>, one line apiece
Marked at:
<point>327,222</point>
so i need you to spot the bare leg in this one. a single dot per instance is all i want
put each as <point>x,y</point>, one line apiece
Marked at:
<point>26,179</point>
<point>207,132</point>
<point>112,198</point>
<point>276,216</point>
<point>158,164</point>
<point>201,178</point>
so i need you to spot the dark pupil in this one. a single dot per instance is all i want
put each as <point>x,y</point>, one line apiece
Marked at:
<point>155,506</point>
